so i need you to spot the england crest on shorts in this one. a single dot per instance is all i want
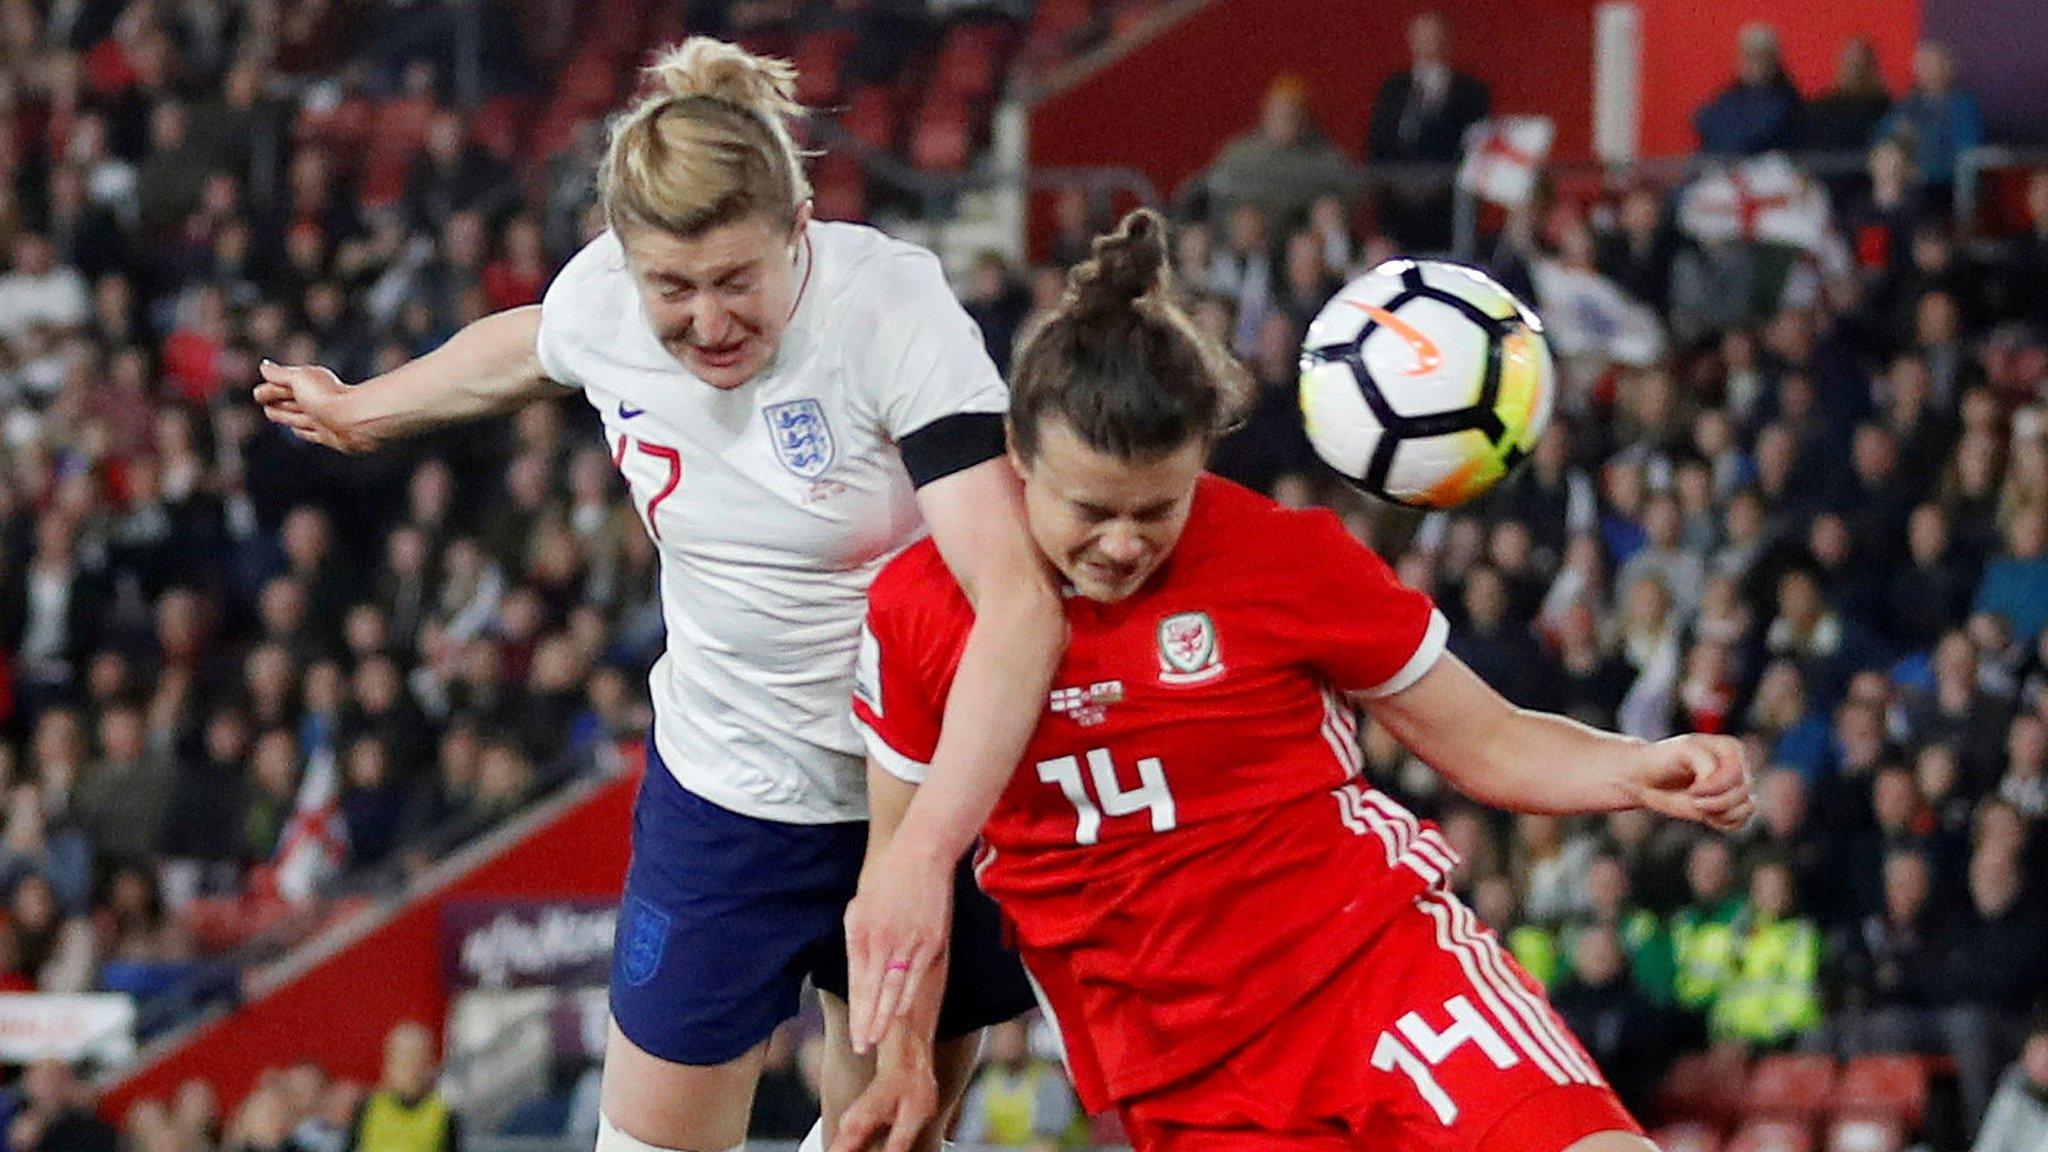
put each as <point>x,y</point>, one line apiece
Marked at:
<point>643,936</point>
<point>802,438</point>
<point>1188,652</point>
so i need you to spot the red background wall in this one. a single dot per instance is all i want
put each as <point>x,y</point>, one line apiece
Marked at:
<point>338,1012</point>
<point>1168,106</point>
<point>1689,52</point>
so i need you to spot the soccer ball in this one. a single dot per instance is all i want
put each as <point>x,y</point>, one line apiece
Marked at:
<point>1424,383</point>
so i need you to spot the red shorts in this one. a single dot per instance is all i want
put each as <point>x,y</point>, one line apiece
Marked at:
<point>1433,1040</point>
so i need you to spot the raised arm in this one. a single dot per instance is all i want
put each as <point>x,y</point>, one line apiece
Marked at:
<point>897,925</point>
<point>489,367</point>
<point>1540,762</point>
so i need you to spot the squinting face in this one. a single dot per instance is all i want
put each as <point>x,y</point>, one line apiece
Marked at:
<point>1106,523</point>
<point>719,301</point>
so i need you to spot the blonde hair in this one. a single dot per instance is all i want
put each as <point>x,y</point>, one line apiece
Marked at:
<point>709,145</point>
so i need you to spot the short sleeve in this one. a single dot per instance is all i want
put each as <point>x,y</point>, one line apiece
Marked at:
<point>896,712</point>
<point>923,359</point>
<point>576,300</point>
<point>1366,631</point>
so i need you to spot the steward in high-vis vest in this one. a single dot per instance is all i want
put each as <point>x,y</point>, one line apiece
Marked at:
<point>406,1113</point>
<point>1772,994</point>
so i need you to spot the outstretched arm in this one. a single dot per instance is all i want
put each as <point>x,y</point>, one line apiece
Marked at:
<point>491,366</point>
<point>1540,762</point>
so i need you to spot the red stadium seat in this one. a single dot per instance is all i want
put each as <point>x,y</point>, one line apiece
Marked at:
<point>969,63</point>
<point>499,124</point>
<point>839,188</point>
<point>1883,1086</point>
<point>1687,1136</point>
<point>1791,1086</point>
<point>1772,1136</point>
<point>944,138</point>
<point>1866,1134</point>
<point>870,117</point>
<point>1704,1086</point>
<point>819,57</point>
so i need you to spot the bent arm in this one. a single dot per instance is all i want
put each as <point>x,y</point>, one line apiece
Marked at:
<point>490,366</point>
<point>1506,756</point>
<point>977,521</point>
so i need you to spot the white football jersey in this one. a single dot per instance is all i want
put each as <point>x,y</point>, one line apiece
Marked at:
<point>773,504</point>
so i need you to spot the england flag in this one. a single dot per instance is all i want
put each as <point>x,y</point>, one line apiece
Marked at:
<point>1503,156</point>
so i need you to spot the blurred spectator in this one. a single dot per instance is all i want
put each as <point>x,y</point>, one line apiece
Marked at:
<point>1017,1099</point>
<point>36,291</point>
<point>1622,1030</point>
<point>1771,995</point>
<point>1846,116</point>
<point>1880,222</point>
<point>2015,584</point>
<point>1989,974</point>
<point>56,1114</point>
<point>1281,166</point>
<point>1939,120</point>
<point>2017,1120</point>
<point>2025,273</point>
<point>406,1113</point>
<point>1704,938</point>
<point>1420,116</point>
<point>998,302</point>
<point>1760,110</point>
<point>1886,963</point>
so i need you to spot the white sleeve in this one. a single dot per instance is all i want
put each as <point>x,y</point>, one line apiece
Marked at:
<point>920,357</point>
<point>577,308</point>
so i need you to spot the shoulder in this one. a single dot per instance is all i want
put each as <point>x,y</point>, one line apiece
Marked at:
<point>1230,515</point>
<point>603,259</point>
<point>870,274</point>
<point>917,578</point>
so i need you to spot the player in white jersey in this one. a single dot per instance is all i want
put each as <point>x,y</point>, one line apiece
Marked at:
<point>791,403</point>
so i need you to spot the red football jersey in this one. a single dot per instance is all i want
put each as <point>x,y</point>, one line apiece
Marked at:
<point>1187,850</point>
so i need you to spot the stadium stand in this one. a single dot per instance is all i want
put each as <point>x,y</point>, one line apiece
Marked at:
<point>248,690</point>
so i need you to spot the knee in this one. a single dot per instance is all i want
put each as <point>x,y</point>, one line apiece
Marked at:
<point>612,1138</point>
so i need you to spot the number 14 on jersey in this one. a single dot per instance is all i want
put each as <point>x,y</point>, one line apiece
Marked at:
<point>1109,796</point>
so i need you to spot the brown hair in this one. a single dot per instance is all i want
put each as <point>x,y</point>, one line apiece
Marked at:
<point>1121,362</point>
<point>710,145</point>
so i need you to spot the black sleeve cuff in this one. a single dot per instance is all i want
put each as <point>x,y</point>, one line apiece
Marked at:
<point>951,444</point>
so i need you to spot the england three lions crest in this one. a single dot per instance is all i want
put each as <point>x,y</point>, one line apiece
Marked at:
<point>802,437</point>
<point>1188,652</point>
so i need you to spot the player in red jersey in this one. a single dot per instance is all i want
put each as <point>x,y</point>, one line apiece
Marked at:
<point>1242,942</point>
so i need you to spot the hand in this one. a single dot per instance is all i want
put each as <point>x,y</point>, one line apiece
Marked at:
<point>307,399</point>
<point>901,1099</point>
<point>896,931</point>
<point>1697,777</point>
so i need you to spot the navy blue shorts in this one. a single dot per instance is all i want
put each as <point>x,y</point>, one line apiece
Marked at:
<point>724,916</point>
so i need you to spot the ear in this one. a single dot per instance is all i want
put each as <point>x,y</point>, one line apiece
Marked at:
<point>802,220</point>
<point>1017,462</point>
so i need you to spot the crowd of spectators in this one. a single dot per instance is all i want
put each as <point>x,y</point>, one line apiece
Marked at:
<point>1816,519</point>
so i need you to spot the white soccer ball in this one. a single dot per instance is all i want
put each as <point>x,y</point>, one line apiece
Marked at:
<point>1425,382</point>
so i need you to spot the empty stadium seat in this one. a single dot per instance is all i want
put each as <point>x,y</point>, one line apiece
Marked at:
<point>1704,1086</point>
<point>819,58</point>
<point>1791,1086</point>
<point>1772,1136</point>
<point>1883,1086</point>
<point>870,117</point>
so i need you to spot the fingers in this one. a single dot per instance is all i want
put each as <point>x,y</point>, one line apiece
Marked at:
<point>912,1114</point>
<point>859,1125</point>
